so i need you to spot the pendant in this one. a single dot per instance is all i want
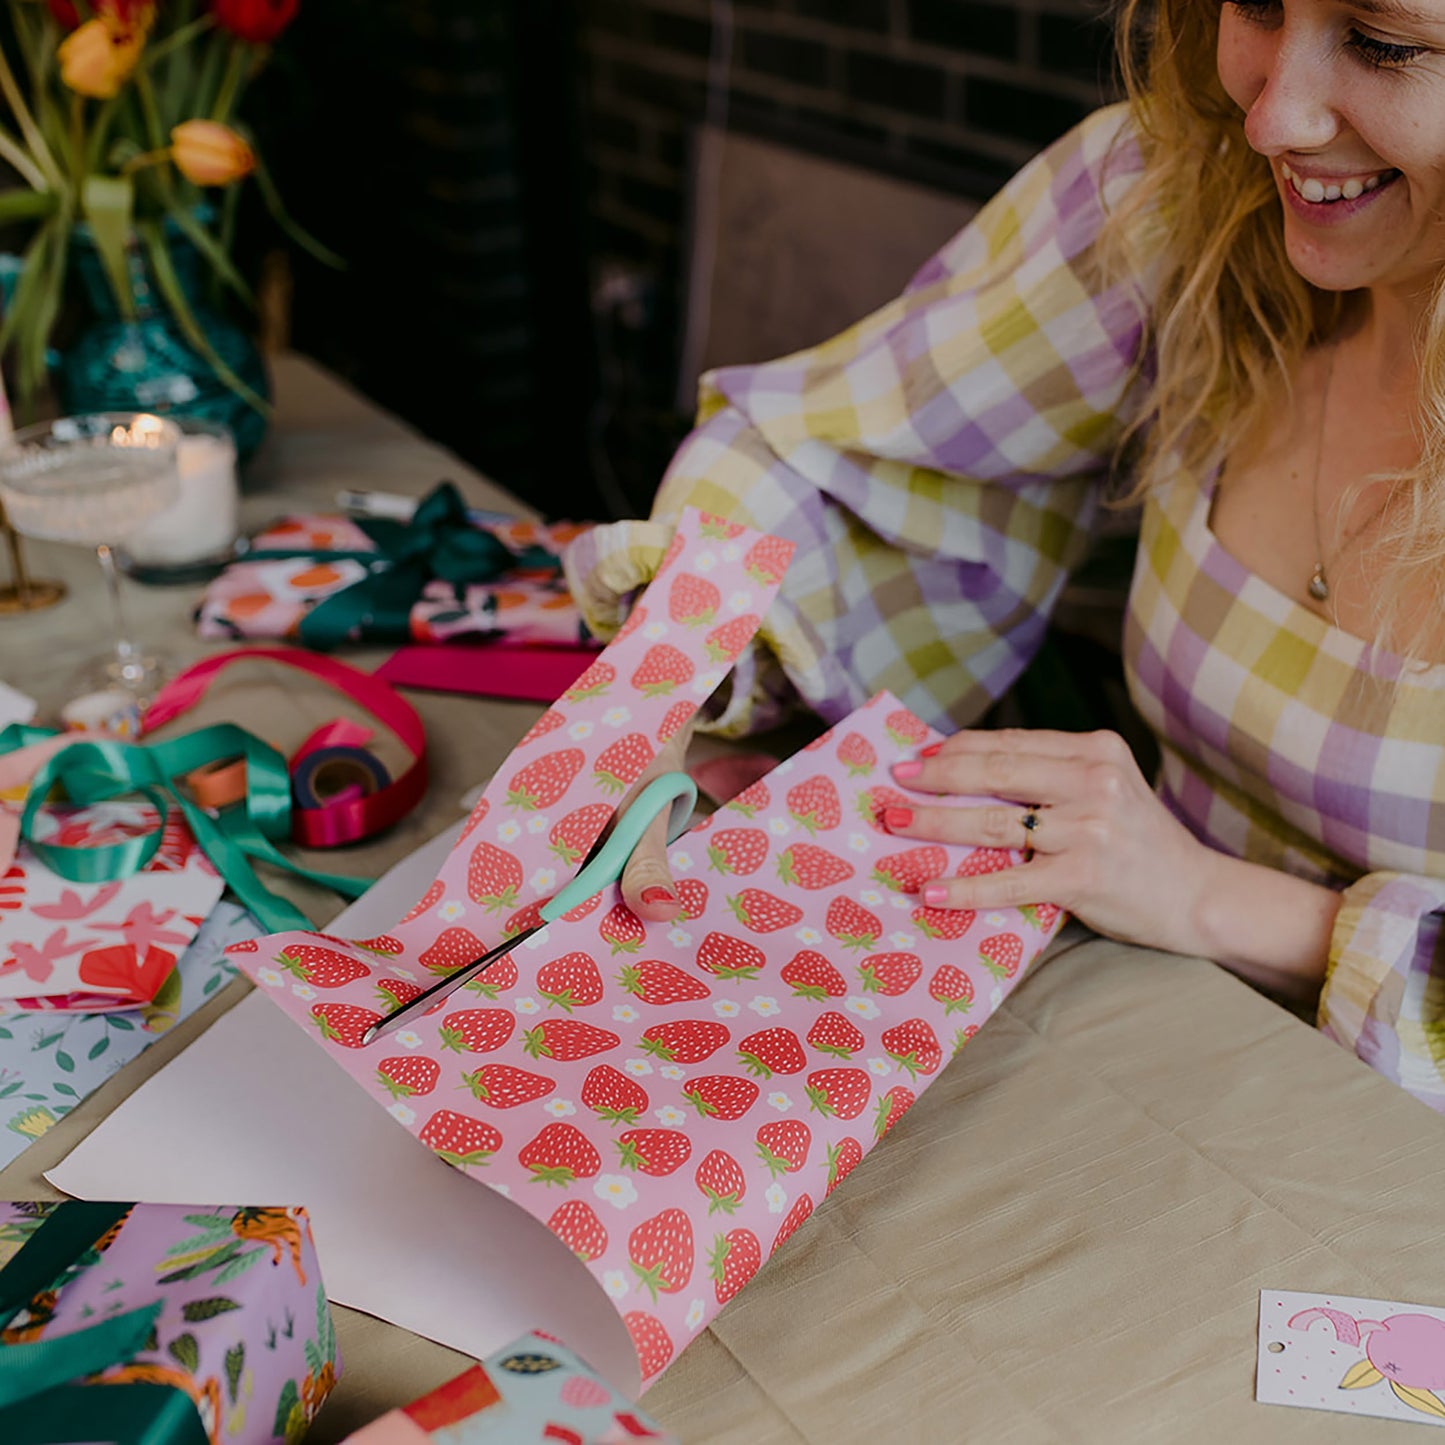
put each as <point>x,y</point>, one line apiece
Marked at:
<point>1319,589</point>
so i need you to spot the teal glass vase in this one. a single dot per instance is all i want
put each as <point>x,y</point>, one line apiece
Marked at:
<point>147,364</point>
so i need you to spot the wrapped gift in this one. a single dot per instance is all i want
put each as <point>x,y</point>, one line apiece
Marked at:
<point>171,1324</point>
<point>534,1390</point>
<point>325,580</point>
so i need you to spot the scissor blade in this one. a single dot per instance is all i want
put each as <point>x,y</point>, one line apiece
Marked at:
<point>448,985</point>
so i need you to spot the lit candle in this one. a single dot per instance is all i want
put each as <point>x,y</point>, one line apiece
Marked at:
<point>202,521</point>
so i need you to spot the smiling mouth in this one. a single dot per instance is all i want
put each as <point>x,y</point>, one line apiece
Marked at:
<point>1309,188</point>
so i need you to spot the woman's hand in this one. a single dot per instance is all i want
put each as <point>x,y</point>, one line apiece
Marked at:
<point>647,886</point>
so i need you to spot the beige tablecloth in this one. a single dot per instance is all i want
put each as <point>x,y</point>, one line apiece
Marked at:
<point>1065,1239</point>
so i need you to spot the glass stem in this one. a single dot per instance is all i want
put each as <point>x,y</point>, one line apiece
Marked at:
<point>124,649</point>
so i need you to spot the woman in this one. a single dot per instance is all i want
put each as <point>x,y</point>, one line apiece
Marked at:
<point>1227,290</point>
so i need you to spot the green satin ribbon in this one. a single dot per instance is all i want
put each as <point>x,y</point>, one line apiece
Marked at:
<point>91,772</point>
<point>438,541</point>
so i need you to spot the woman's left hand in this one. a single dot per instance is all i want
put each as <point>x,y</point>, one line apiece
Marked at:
<point>1102,844</point>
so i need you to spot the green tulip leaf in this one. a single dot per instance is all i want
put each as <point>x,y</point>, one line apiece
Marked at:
<point>109,203</point>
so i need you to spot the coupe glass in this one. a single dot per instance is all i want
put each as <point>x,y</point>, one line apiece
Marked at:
<point>91,480</point>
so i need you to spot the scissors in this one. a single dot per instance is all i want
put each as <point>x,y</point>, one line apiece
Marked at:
<point>600,869</point>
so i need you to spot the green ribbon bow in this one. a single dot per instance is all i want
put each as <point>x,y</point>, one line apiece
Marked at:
<point>38,1403</point>
<point>438,541</point>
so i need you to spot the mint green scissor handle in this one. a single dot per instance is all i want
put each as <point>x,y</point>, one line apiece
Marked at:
<point>674,790</point>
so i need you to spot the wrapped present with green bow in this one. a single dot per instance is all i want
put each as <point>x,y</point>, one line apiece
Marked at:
<point>158,1324</point>
<point>442,576</point>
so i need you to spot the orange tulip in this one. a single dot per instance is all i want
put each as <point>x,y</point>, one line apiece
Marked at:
<point>208,153</point>
<point>96,59</point>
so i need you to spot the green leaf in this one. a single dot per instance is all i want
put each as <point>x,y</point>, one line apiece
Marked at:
<point>23,204</point>
<point>9,1089</point>
<point>118,1021</point>
<point>213,252</point>
<point>239,1266</point>
<point>109,204</point>
<point>99,1047</point>
<point>289,1397</point>
<point>303,238</point>
<point>218,1222</point>
<point>185,1351</point>
<point>64,1061</point>
<point>66,1090</point>
<point>235,1363</point>
<point>6,1034</point>
<point>193,1311</point>
<point>314,1359</point>
<point>47,1041</point>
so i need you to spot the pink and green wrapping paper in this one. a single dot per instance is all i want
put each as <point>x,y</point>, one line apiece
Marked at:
<point>230,1312</point>
<point>672,1101</point>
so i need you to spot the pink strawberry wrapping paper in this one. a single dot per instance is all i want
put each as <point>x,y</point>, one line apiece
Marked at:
<point>672,1101</point>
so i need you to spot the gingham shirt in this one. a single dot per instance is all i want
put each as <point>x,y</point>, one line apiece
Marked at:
<point>941,466</point>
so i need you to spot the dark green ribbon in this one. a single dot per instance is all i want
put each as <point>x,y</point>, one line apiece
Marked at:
<point>439,541</point>
<point>38,1404</point>
<point>91,772</point>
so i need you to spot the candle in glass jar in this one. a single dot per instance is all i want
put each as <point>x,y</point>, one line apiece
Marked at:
<point>202,521</point>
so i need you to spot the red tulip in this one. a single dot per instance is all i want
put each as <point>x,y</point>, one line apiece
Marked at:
<point>257,21</point>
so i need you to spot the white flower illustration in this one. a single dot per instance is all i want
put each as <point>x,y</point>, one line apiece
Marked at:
<point>654,630</point>
<point>538,823</point>
<point>452,910</point>
<point>777,1198</point>
<point>616,1190</point>
<point>740,602</point>
<point>669,1117</point>
<point>505,1190</point>
<point>902,901</point>
<point>808,935</point>
<point>615,1283</point>
<point>509,831</point>
<point>995,920</point>
<point>710,678</point>
<point>681,861</point>
<point>536,941</point>
<point>995,996</point>
<point>679,937</point>
<point>784,768</point>
<point>726,1008</point>
<point>705,561</point>
<point>779,827</point>
<point>902,939</point>
<point>671,1071</point>
<point>871,896</point>
<point>865,1008</point>
<point>638,1068</point>
<point>526,1005</point>
<point>779,1101</point>
<point>615,717</point>
<point>694,1314</point>
<point>764,1006</point>
<point>400,1111</point>
<point>543,879</point>
<point>303,990</point>
<point>624,1013</point>
<point>857,842</point>
<point>730,552</point>
<point>880,1067</point>
<point>408,1039</point>
<point>580,730</point>
<point>271,977</point>
<point>560,1108</point>
<point>405,973</point>
<point>700,686</point>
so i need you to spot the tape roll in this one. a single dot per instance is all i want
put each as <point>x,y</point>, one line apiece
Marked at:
<point>218,784</point>
<point>337,775</point>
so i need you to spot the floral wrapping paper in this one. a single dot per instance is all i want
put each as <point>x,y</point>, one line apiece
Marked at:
<point>268,599</point>
<point>245,1331</point>
<point>672,1101</point>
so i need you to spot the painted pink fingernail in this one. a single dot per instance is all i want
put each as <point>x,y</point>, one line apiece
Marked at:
<point>931,751</point>
<point>935,894</point>
<point>904,771</point>
<point>895,818</point>
<point>658,894</point>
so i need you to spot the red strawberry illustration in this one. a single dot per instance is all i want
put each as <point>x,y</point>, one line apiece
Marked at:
<point>383,944</point>
<point>662,669</point>
<point>693,601</point>
<point>873,802</point>
<point>572,981</point>
<point>891,974</point>
<point>764,912</point>
<point>619,764</point>
<point>651,1341</point>
<point>567,1039</point>
<point>913,1046</point>
<point>1041,915</point>
<point>905,729</point>
<point>661,1252</point>
<point>801,1209</point>
<point>856,754</point>
<point>772,1051</point>
<point>891,1108</point>
<point>674,719</point>
<point>1001,954</point>
<point>560,1154</point>
<point>814,804</point>
<point>454,948</point>
<point>807,866</point>
<point>576,1224</point>
<point>657,1152</point>
<point>908,871</point>
<point>783,1146</point>
<point>834,1034</point>
<point>852,924</point>
<point>529,916</point>
<point>963,1036</point>
<point>843,1093</point>
<point>391,993</point>
<point>635,619</point>
<point>425,901</point>
<point>843,1158</point>
<point>720,1178</point>
<point>659,983</point>
<point>321,967</point>
<point>612,1096</point>
<point>952,987</point>
<point>753,797</point>
<point>692,894</point>
<point>685,1041</point>
<point>719,527</point>
<point>810,975</point>
<point>573,836</point>
<point>246,945</point>
<point>550,721</point>
<point>504,1087</point>
<point>593,683</point>
<point>736,1257</point>
<point>767,559</point>
<point>542,781</point>
<point>739,851</point>
<point>725,643</point>
<point>622,929</point>
<point>721,1096</point>
<point>493,877</point>
<point>344,1023</point>
<point>729,957</point>
<point>944,923</point>
<point>475,819</point>
<point>464,1142</point>
<point>984,860</point>
<point>499,975</point>
<point>408,1074</point>
<point>477,1030</point>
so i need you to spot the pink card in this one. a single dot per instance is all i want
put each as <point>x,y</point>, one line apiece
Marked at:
<point>672,1101</point>
<point>496,669</point>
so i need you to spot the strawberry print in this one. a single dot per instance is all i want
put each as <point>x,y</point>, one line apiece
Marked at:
<point>943,923</point>
<point>685,1041</point>
<point>729,957</point>
<point>321,967</point>
<point>1041,915</point>
<point>807,866</point>
<point>833,1033</point>
<point>572,836</point>
<point>494,877</point>
<point>963,1036</point>
<point>408,1074</point>
<point>736,1257</point>
<point>810,975</point>
<point>661,1252</point>
<point>783,1146</point>
<point>725,643</point>
<point>651,1341</point>
<point>568,1039</point>
<point>504,1087</point>
<point>908,871</point>
<point>838,1093</point>
<point>751,799</point>
<point>913,1045</point>
<point>984,860</point>
<point>692,894</point>
<point>710,525</point>
<point>692,601</point>
<point>619,764</point>
<point>529,916</point>
<point>576,1224</point>
<point>431,896</point>
<point>593,683</point>
<point>475,819</point>
<point>572,981</point>
<point>764,912</point>
<point>852,924</point>
<point>843,1158</point>
<point>612,1096</point>
<point>721,1096</point>
<point>544,779</point>
<point>856,754</point>
<point>560,1154</point>
<point>383,944</point>
<point>891,1108</point>
<point>772,1051</point>
<point>952,987</point>
<point>891,974</point>
<point>674,720</point>
<point>635,619</point>
<point>738,851</point>
<point>497,977</point>
<point>658,983</point>
<point>245,945</point>
<point>663,669</point>
<point>1001,954</point>
<point>344,1023</point>
<point>767,559</point>
<point>721,1180</point>
<point>657,1152</point>
<point>454,948</point>
<point>874,802</point>
<point>815,805</point>
<point>800,1211</point>
<point>622,930</point>
<point>464,1142</point>
<point>905,729</point>
<point>391,993</point>
<point>549,722</point>
<point>476,1030</point>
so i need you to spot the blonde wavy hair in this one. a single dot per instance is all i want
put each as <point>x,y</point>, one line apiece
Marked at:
<point>1233,317</point>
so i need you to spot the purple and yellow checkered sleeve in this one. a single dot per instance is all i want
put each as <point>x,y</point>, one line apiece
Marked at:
<point>939,465</point>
